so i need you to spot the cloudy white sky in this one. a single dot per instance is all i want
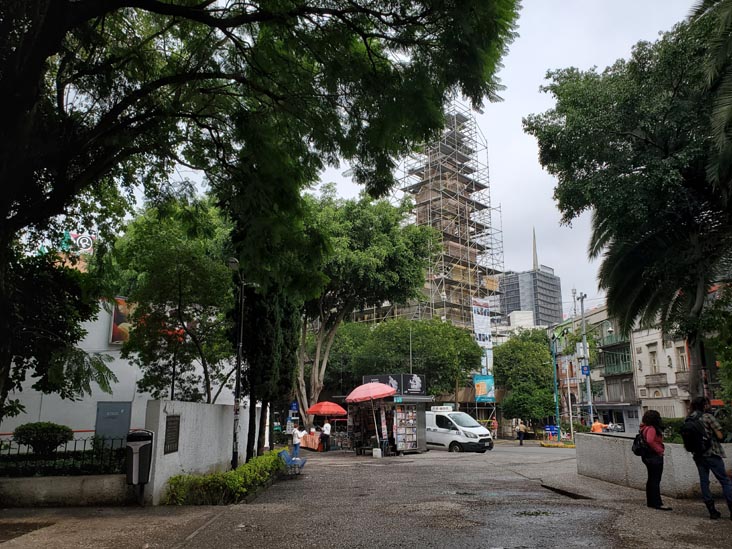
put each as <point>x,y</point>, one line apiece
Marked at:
<point>553,34</point>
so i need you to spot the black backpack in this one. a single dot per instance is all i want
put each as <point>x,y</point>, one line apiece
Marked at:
<point>695,436</point>
<point>640,446</point>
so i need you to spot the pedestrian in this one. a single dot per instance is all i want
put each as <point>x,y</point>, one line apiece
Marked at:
<point>597,426</point>
<point>297,434</point>
<point>494,428</point>
<point>651,431</point>
<point>711,458</point>
<point>325,436</point>
<point>521,429</point>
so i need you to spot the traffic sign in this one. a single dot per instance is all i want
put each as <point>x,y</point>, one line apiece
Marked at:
<point>585,370</point>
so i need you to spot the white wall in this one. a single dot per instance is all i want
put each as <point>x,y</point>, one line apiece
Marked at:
<point>609,458</point>
<point>80,415</point>
<point>205,442</point>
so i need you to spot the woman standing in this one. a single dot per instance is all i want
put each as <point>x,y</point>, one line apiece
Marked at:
<point>651,432</point>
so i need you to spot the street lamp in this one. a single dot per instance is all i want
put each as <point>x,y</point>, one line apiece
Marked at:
<point>555,337</point>
<point>233,264</point>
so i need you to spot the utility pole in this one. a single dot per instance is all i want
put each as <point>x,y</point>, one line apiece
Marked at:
<point>581,298</point>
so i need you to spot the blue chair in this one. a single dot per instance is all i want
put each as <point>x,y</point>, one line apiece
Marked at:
<point>294,465</point>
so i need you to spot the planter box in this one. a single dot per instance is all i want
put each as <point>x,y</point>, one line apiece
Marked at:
<point>608,457</point>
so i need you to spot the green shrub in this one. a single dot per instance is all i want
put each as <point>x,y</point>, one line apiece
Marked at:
<point>223,488</point>
<point>42,437</point>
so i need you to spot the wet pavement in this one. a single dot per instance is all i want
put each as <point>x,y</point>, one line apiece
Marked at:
<point>511,497</point>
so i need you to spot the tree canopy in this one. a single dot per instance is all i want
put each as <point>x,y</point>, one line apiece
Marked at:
<point>631,144</point>
<point>523,367</point>
<point>171,264</point>
<point>374,257</point>
<point>97,97</point>
<point>444,353</point>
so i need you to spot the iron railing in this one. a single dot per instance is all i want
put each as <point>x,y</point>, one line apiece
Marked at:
<point>87,456</point>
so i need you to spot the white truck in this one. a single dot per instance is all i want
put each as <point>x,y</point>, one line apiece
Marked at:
<point>456,431</point>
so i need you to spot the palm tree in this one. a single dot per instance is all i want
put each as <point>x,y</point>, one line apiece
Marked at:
<point>662,274</point>
<point>719,79</point>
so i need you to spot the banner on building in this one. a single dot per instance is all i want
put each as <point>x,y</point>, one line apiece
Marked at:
<point>121,325</point>
<point>485,389</point>
<point>482,322</point>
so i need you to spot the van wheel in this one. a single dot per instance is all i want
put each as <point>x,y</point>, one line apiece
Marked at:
<point>455,447</point>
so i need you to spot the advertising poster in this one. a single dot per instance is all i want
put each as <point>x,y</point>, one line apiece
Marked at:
<point>482,322</point>
<point>413,384</point>
<point>485,390</point>
<point>393,380</point>
<point>121,321</point>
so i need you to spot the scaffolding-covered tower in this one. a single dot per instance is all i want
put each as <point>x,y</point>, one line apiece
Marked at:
<point>449,182</point>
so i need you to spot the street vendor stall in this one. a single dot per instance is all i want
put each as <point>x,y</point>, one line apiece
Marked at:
<point>312,441</point>
<point>394,423</point>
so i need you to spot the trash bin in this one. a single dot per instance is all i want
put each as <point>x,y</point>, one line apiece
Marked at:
<point>139,456</point>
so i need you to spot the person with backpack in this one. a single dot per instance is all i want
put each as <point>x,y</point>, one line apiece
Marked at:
<point>652,433</point>
<point>702,435</point>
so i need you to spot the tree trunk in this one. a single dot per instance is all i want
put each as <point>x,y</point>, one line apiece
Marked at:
<point>6,350</point>
<point>252,426</point>
<point>300,388</point>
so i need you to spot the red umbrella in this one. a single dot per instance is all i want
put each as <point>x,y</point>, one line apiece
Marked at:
<point>326,408</point>
<point>370,391</point>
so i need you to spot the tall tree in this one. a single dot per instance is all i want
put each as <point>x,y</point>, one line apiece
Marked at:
<point>375,258</point>
<point>523,367</point>
<point>99,96</point>
<point>171,264</point>
<point>631,144</point>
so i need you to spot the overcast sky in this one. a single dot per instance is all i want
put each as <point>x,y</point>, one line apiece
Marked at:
<point>552,34</point>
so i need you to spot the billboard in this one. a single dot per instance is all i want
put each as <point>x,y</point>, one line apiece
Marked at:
<point>485,389</point>
<point>404,384</point>
<point>121,321</point>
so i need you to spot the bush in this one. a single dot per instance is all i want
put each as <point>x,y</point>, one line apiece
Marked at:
<point>42,437</point>
<point>223,488</point>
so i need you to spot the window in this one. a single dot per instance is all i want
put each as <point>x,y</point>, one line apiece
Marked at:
<point>681,359</point>
<point>654,361</point>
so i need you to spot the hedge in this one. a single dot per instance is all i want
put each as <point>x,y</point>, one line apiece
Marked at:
<point>224,488</point>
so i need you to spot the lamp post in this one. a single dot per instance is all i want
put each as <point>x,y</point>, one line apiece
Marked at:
<point>555,337</point>
<point>582,298</point>
<point>233,264</point>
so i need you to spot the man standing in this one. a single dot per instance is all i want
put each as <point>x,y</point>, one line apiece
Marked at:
<point>597,427</point>
<point>711,458</point>
<point>521,432</point>
<point>325,436</point>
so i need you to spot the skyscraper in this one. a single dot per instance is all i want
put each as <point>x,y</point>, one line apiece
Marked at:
<point>538,290</point>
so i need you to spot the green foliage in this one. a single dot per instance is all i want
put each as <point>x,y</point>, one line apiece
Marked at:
<point>171,264</point>
<point>631,145</point>
<point>374,257</point>
<point>43,437</point>
<point>109,96</point>
<point>523,367</point>
<point>224,488</point>
<point>717,325</point>
<point>51,301</point>
<point>442,352</point>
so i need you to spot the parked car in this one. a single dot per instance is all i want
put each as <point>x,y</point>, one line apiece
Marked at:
<point>456,432</point>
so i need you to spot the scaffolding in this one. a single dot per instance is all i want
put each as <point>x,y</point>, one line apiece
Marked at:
<point>449,182</point>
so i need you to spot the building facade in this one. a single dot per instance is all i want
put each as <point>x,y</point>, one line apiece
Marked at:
<point>538,290</point>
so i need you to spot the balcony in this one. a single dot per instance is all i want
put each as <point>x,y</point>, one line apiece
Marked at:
<point>612,339</point>
<point>682,378</point>
<point>618,368</point>
<point>657,380</point>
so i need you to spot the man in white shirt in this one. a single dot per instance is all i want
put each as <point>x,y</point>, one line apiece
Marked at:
<point>325,435</point>
<point>297,434</point>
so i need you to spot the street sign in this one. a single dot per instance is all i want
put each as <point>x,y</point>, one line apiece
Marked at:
<point>585,370</point>
<point>293,406</point>
<point>397,399</point>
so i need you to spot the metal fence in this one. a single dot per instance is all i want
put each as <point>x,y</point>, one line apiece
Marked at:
<point>85,456</point>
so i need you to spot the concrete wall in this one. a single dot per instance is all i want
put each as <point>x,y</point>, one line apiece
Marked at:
<point>609,458</point>
<point>65,491</point>
<point>204,446</point>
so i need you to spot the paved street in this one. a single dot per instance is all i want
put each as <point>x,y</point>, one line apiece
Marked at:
<point>510,497</point>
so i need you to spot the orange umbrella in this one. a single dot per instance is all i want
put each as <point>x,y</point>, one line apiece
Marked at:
<point>326,408</point>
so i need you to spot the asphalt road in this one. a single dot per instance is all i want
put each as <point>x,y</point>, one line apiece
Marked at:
<point>512,497</point>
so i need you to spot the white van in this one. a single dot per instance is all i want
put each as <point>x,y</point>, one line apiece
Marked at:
<point>456,431</point>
